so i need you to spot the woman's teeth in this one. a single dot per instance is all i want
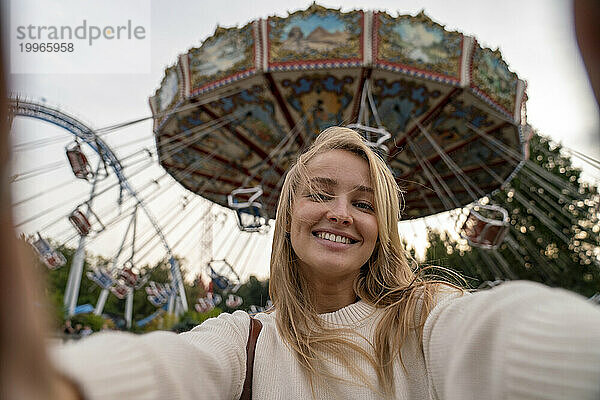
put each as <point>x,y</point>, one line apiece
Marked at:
<point>333,238</point>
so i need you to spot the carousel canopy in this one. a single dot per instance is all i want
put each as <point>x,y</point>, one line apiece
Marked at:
<point>234,112</point>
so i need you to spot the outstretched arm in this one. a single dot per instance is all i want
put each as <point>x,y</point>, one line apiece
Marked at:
<point>519,341</point>
<point>205,363</point>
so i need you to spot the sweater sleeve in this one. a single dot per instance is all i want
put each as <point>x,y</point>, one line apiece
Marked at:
<point>208,362</point>
<point>519,341</point>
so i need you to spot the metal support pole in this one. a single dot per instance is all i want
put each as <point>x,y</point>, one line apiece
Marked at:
<point>178,283</point>
<point>129,308</point>
<point>101,302</point>
<point>171,303</point>
<point>74,281</point>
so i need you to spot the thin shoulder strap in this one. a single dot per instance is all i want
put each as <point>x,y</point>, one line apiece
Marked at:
<point>255,327</point>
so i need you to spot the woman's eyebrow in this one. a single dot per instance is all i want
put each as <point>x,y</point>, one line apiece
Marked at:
<point>328,182</point>
<point>324,181</point>
<point>361,188</point>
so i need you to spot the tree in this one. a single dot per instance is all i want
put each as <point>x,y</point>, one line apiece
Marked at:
<point>554,236</point>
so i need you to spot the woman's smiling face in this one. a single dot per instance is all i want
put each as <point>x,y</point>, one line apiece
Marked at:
<point>333,227</point>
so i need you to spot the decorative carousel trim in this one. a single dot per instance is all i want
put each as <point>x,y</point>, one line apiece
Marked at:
<point>521,85</point>
<point>264,62</point>
<point>452,42</point>
<point>374,37</point>
<point>233,78</point>
<point>417,73</point>
<point>258,51</point>
<point>367,38</point>
<point>184,61</point>
<point>166,119</point>
<point>466,60</point>
<point>307,65</point>
<point>497,107</point>
<point>178,98</point>
<point>483,95</point>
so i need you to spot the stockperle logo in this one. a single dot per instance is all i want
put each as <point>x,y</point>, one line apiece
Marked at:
<point>85,31</point>
<point>80,36</point>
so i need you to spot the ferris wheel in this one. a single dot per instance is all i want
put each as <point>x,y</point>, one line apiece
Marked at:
<point>93,161</point>
<point>113,213</point>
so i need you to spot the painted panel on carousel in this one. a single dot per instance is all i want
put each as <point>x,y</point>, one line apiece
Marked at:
<point>199,131</point>
<point>167,95</point>
<point>256,116</point>
<point>400,100</point>
<point>322,99</point>
<point>450,125</point>
<point>226,55</point>
<point>448,129</point>
<point>490,75</point>
<point>184,162</point>
<point>418,44</point>
<point>315,34</point>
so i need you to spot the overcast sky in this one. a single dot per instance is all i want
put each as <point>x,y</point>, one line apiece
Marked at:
<point>535,37</point>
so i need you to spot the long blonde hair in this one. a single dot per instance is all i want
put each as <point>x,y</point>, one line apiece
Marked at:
<point>386,281</point>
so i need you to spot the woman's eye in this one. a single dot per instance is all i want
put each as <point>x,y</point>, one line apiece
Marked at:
<point>319,196</point>
<point>365,205</point>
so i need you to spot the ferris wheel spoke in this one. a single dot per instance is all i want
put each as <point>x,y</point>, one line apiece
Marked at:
<point>192,226</point>
<point>249,258</point>
<point>124,214</point>
<point>148,235</point>
<point>21,176</point>
<point>61,185</point>
<point>37,144</point>
<point>172,224</point>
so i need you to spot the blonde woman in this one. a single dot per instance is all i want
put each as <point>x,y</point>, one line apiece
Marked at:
<point>352,319</point>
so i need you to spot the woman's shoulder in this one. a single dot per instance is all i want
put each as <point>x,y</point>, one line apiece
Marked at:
<point>238,322</point>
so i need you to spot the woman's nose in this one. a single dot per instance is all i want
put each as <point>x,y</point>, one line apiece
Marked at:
<point>340,213</point>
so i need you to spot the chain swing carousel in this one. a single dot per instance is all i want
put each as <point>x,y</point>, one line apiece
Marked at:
<point>447,115</point>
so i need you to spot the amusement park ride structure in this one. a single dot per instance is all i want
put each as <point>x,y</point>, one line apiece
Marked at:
<point>447,116</point>
<point>107,279</point>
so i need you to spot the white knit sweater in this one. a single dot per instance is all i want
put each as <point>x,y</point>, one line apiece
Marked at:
<point>518,341</point>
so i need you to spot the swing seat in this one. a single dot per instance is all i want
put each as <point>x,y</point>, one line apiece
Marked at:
<point>218,280</point>
<point>157,301</point>
<point>381,135</point>
<point>79,163</point>
<point>221,282</point>
<point>250,213</point>
<point>254,309</point>
<point>128,276</point>
<point>158,294</point>
<point>214,298</point>
<point>120,291</point>
<point>51,258</point>
<point>80,222</point>
<point>101,278</point>
<point>203,306</point>
<point>487,227</point>
<point>233,301</point>
<point>54,260</point>
<point>252,219</point>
